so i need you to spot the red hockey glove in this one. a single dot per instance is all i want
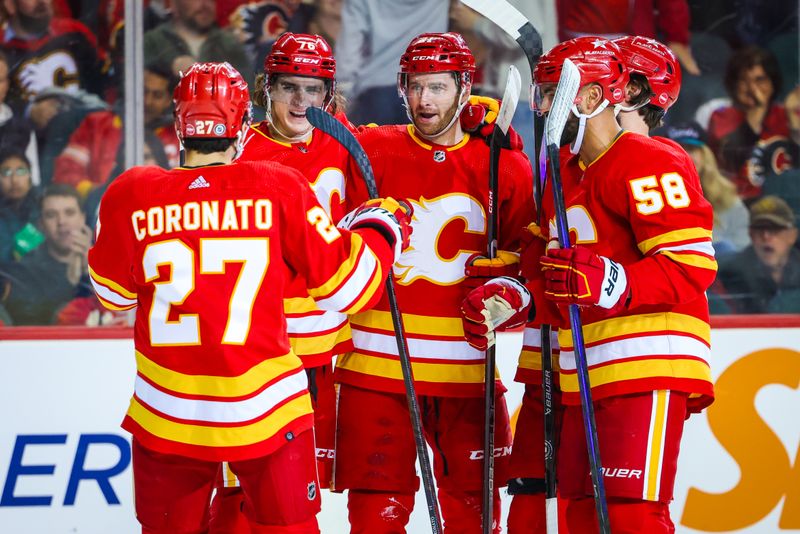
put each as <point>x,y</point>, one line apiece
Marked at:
<point>479,116</point>
<point>579,276</point>
<point>499,303</point>
<point>480,269</point>
<point>533,244</point>
<point>390,217</point>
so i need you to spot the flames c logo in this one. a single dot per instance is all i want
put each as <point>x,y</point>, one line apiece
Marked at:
<point>424,259</point>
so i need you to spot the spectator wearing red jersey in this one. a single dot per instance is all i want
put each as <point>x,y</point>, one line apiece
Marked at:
<point>751,137</point>
<point>46,51</point>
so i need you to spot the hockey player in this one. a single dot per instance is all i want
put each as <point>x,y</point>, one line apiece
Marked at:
<point>655,82</point>
<point>444,174</point>
<point>300,72</point>
<point>203,252</point>
<point>639,269</point>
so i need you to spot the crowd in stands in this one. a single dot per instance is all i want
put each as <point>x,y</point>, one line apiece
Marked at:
<point>61,115</point>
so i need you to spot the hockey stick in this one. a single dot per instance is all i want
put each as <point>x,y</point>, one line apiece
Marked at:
<point>329,125</point>
<point>514,23</point>
<point>560,109</point>
<point>499,135</point>
<point>550,493</point>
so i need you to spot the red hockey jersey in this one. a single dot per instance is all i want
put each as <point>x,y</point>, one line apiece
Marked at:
<point>316,335</point>
<point>205,254</point>
<point>640,203</point>
<point>448,187</point>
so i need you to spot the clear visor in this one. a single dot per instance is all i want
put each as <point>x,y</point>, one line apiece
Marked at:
<point>300,92</point>
<point>542,96</point>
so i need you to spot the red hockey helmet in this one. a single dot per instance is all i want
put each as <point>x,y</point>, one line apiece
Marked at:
<point>301,54</point>
<point>211,101</point>
<point>657,63</point>
<point>597,59</point>
<point>438,52</point>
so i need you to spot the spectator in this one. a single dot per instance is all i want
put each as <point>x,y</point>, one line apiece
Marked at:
<point>91,155</point>
<point>751,136</point>
<point>45,51</point>
<point>191,36</point>
<point>16,131</point>
<point>19,208</point>
<point>731,218</point>
<point>615,18</point>
<point>258,23</point>
<point>373,35</point>
<point>765,277</point>
<point>57,271</point>
<point>54,115</point>
<point>323,18</point>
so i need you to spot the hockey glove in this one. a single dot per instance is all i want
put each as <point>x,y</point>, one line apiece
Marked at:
<point>499,303</point>
<point>579,276</point>
<point>479,116</point>
<point>480,269</point>
<point>389,217</point>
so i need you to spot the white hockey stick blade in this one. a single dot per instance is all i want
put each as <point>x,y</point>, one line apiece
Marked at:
<point>501,13</point>
<point>510,99</point>
<point>561,107</point>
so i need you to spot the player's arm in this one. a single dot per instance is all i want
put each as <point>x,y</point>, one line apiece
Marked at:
<point>110,258</point>
<point>344,268</point>
<point>671,221</point>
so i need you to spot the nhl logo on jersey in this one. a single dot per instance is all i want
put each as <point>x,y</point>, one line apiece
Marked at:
<point>312,491</point>
<point>438,156</point>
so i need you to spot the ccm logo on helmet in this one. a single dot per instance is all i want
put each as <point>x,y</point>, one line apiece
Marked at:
<point>424,58</point>
<point>306,60</point>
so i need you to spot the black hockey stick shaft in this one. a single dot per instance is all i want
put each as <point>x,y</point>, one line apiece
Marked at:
<point>328,124</point>
<point>495,146</point>
<point>540,181</point>
<point>590,425</point>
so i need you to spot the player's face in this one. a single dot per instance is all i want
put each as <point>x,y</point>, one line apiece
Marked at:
<point>198,15</point>
<point>543,97</point>
<point>432,100</point>
<point>3,81</point>
<point>61,219</point>
<point>156,96</point>
<point>773,245</point>
<point>291,96</point>
<point>15,178</point>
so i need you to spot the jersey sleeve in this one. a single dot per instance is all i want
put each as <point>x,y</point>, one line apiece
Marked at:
<point>110,258</point>
<point>344,270</point>
<point>671,221</point>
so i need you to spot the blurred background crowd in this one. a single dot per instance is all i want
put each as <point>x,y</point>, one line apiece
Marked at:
<point>62,95</point>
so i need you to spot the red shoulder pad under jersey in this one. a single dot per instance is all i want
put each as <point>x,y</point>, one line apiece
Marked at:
<point>656,188</point>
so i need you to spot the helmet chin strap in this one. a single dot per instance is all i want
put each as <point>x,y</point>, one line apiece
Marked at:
<point>575,147</point>
<point>431,137</point>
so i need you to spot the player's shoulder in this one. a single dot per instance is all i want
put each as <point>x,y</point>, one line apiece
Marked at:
<point>275,176</point>
<point>643,151</point>
<point>381,134</point>
<point>127,186</point>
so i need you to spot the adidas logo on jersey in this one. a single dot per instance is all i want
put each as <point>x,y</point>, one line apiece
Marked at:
<point>198,183</point>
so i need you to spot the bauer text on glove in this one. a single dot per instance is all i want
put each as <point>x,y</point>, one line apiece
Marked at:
<point>579,276</point>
